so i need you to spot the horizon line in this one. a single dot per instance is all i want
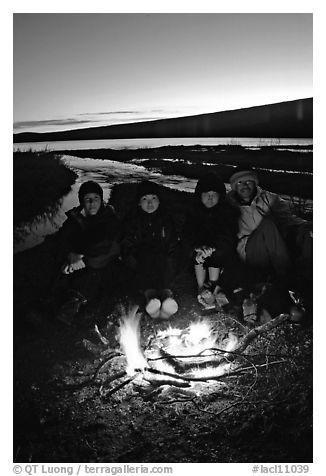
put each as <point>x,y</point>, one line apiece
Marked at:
<point>46,121</point>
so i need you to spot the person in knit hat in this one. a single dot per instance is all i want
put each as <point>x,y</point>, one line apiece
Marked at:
<point>244,180</point>
<point>88,245</point>
<point>148,249</point>
<point>270,237</point>
<point>209,239</point>
<point>210,183</point>
<point>145,188</point>
<point>90,187</point>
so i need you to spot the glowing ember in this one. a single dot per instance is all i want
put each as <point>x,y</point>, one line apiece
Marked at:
<point>200,332</point>
<point>231,343</point>
<point>169,332</point>
<point>198,338</point>
<point>129,338</point>
<point>194,352</point>
<point>211,371</point>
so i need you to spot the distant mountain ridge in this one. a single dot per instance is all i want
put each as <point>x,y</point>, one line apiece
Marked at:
<point>285,119</point>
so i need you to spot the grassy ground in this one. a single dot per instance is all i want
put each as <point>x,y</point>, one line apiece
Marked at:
<point>261,415</point>
<point>40,179</point>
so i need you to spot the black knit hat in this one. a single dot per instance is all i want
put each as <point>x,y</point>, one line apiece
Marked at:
<point>147,188</point>
<point>210,183</point>
<point>89,187</point>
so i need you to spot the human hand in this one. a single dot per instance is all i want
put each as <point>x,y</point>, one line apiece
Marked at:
<point>199,256</point>
<point>203,253</point>
<point>208,251</point>
<point>75,263</point>
<point>70,268</point>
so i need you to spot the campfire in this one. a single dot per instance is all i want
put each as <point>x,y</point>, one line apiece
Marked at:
<point>182,363</point>
<point>189,353</point>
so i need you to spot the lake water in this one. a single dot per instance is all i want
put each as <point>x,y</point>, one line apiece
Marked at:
<point>149,143</point>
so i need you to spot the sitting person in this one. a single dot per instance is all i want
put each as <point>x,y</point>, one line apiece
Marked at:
<point>209,238</point>
<point>270,237</point>
<point>88,245</point>
<point>148,250</point>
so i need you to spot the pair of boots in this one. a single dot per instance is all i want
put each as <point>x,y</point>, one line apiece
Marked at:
<point>160,305</point>
<point>211,296</point>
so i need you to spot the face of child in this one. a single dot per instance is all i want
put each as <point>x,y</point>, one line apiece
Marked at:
<point>149,203</point>
<point>210,198</point>
<point>92,203</point>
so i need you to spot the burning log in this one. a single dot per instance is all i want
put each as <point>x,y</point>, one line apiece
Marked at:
<point>173,383</point>
<point>217,364</point>
<point>176,358</point>
<point>254,333</point>
<point>190,378</point>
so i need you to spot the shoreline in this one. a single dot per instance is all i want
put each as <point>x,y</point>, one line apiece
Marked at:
<point>280,171</point>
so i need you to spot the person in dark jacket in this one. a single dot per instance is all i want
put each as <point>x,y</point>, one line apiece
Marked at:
<point>87,244</point>
<point>210,237</point>
<point>148,249</point>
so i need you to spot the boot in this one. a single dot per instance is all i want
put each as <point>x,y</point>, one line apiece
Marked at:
<point>169,307</point>
<point>153,308</point>
<point>153,303</point>
<point>206,298</point>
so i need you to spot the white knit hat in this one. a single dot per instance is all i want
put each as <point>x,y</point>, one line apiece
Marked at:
<point>243,175</point>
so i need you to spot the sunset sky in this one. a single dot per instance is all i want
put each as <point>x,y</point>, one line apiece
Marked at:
<point>82,70</point>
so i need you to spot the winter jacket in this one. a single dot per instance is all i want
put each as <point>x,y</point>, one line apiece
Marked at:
<point>149,247</point>
<point>96,237</point>
<point>264,204</point>
<point>148,233</point>
<point>212,227</point>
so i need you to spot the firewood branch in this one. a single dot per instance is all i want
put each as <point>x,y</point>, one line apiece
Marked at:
<point>254,333</point>
<point>104,363</point>
<point>227,374</point>
<point>108,393</point>
<point>113,378</point>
